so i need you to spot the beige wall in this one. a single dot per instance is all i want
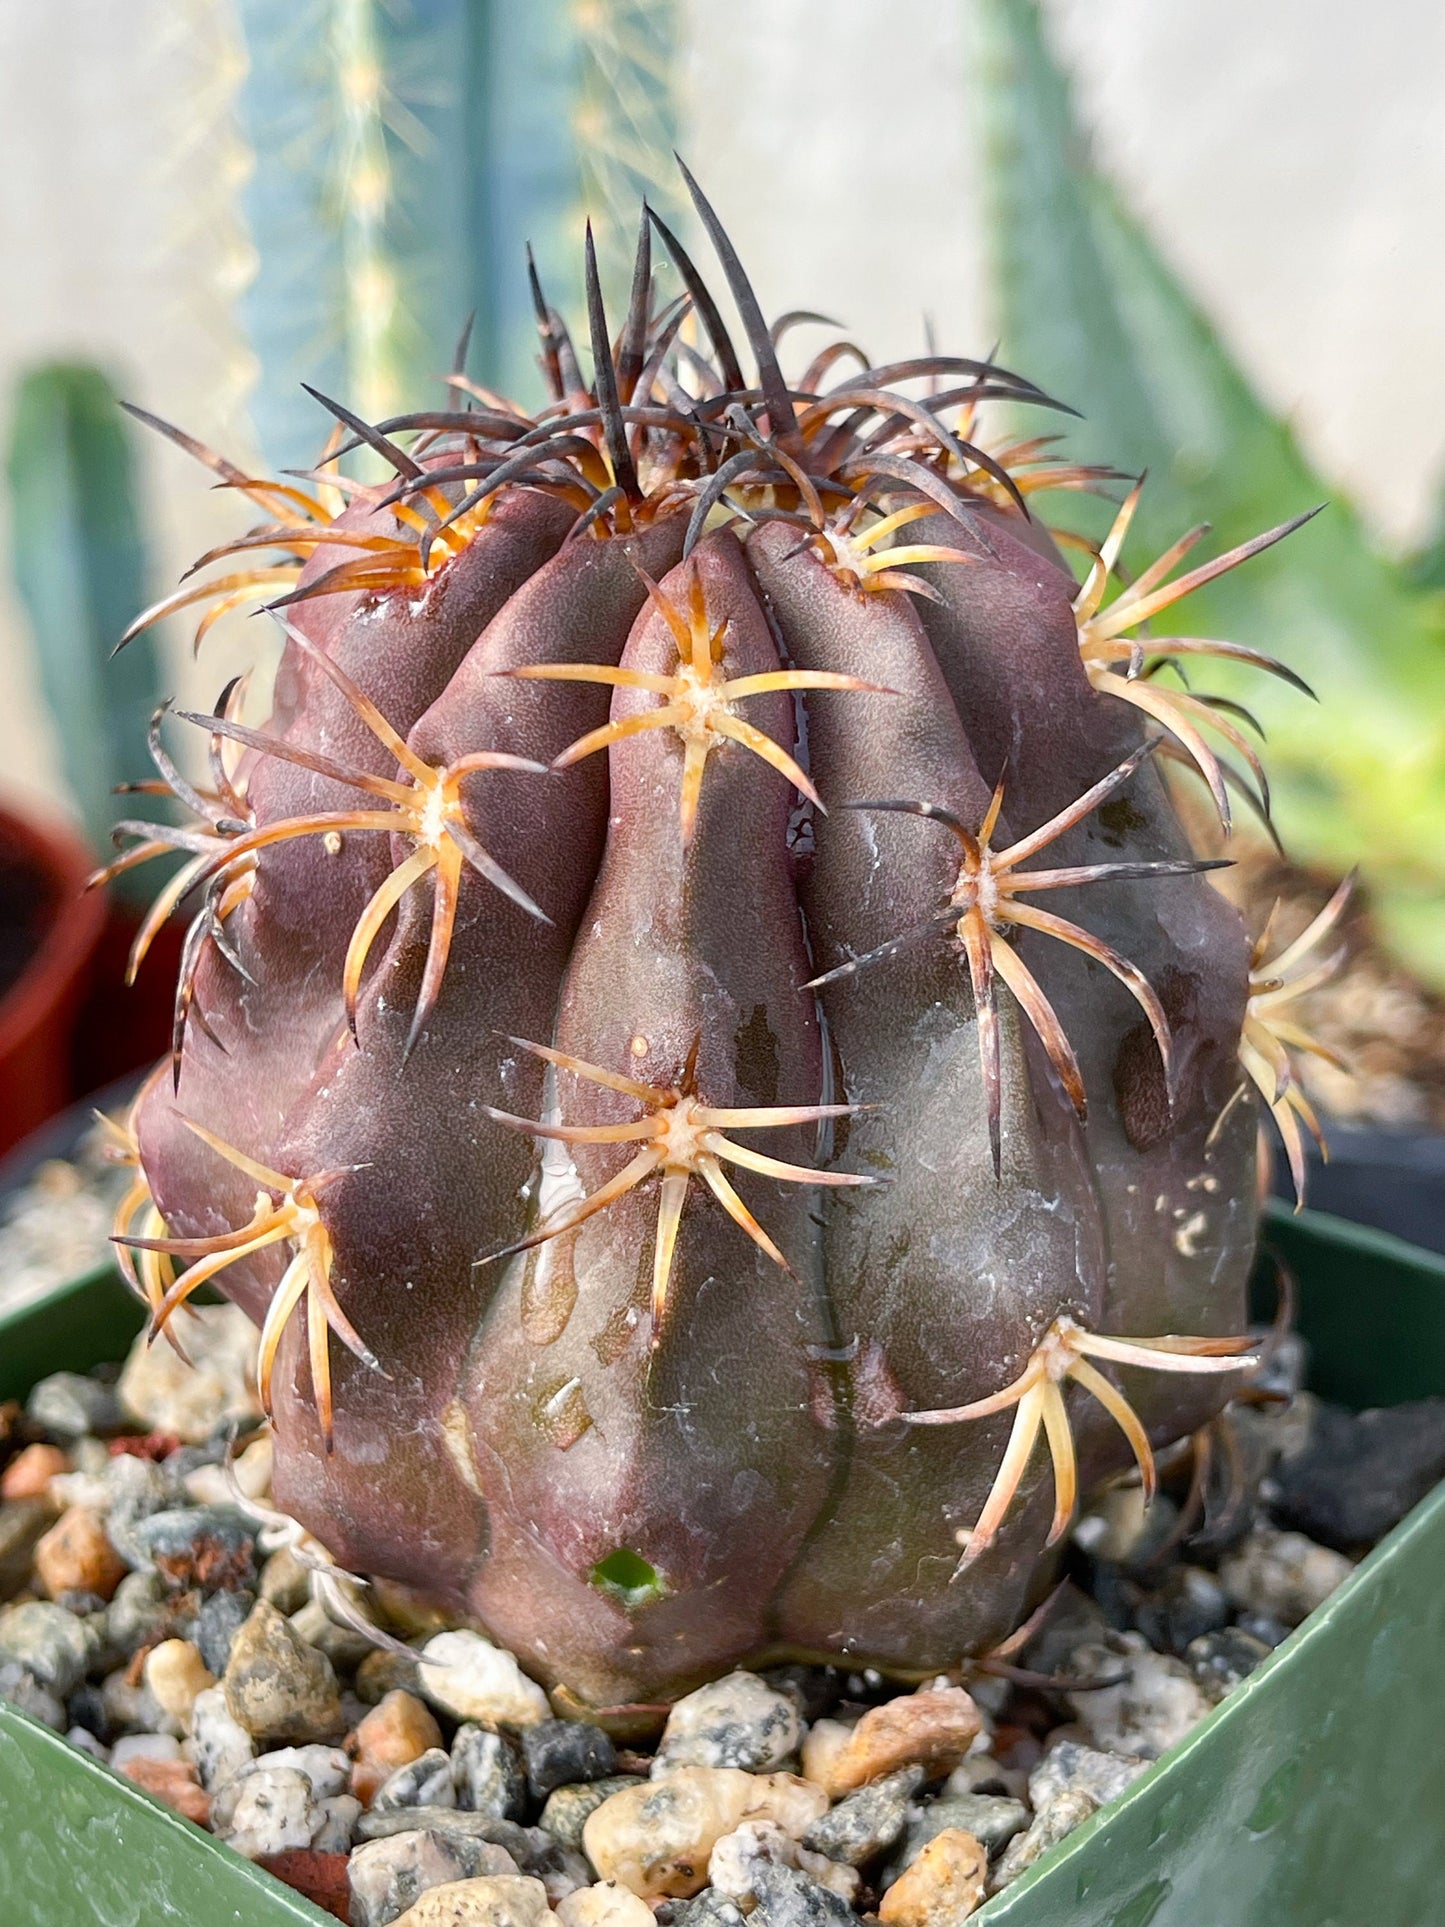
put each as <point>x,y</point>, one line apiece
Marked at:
<point>1291,152</point>
<point>120,245</point>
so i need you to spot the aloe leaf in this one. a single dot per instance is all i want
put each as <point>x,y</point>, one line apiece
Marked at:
<point>78,562</point>
<point>1090,308</point>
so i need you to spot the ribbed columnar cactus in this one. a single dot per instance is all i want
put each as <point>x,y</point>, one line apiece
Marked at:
<point>705,1046</point>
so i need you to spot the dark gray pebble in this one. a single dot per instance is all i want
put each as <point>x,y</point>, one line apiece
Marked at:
<point>1220,1660</point>
<point>1072,1620</point>
<point>84,1741</point>
<point>1270,1632</point>
<point>787,1898</point>
<point>707,1909</point>
<point>814,1690</point>
<point>88,1708</point>
<point>1189,1603</point>
<point>217,1623</point>
<point>487,1774</point>
<point>1358,1473</point>
<point>992,1820</point>
<point>569,1807</point>
<point>68,1406</point>
<point>867,1822</point>
<point>381,1673</point>
<point>561,1752</point>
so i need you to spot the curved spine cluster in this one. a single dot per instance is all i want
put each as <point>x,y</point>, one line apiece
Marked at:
<point>1273,1034</point>
<point>680,1138</point>
<point>1038,1400</point>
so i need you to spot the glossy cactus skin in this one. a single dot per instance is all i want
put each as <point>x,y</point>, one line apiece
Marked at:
<point>638,1461</point>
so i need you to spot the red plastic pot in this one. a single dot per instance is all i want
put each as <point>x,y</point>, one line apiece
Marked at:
<point>37,1012</point>
<point>122,1027</point>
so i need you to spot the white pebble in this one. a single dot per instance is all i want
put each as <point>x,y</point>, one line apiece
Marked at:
<point>340,1815</point>
<point>733,1865</point>
<point>604,1905</point>
<point>1150,1710</point>
<point>221,1745</point>
<point>470,1678</point>
<point>268,1812</point>
<point>326,1767</point>
<point>162,1393</point>
<point>1283,1574</point>
<point>144,1746</point>
<point>736,1721</point>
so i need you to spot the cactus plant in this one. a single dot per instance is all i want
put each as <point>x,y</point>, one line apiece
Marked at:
<point>627,1012</point>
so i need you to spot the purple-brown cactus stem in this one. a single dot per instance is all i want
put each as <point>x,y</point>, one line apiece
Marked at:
<point>716,1168</point>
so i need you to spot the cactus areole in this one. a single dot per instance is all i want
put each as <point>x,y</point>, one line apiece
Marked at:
<point>704,1046</point>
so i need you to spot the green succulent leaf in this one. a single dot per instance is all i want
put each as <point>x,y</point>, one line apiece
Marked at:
<point>78,562</point>
<point>1091,309</point>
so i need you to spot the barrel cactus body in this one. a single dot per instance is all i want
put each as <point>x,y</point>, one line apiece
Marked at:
<point>704,1047</point>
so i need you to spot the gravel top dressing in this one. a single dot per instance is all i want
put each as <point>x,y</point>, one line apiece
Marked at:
<point>169,1622</point>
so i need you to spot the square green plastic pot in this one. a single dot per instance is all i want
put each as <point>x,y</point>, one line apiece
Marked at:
<point>1313,1797</point>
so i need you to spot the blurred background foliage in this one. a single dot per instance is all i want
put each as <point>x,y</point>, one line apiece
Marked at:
<point>1091,309</point>
<point>402,154</point>
<point>406,155</point>
<point>79,564</point>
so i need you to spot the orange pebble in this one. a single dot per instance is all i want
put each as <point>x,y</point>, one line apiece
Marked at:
<point>173,1781</point>
<point>29,1473</point>
<point>76,1556</point>
<point>397,1730</point>
<point>936,1727</point>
